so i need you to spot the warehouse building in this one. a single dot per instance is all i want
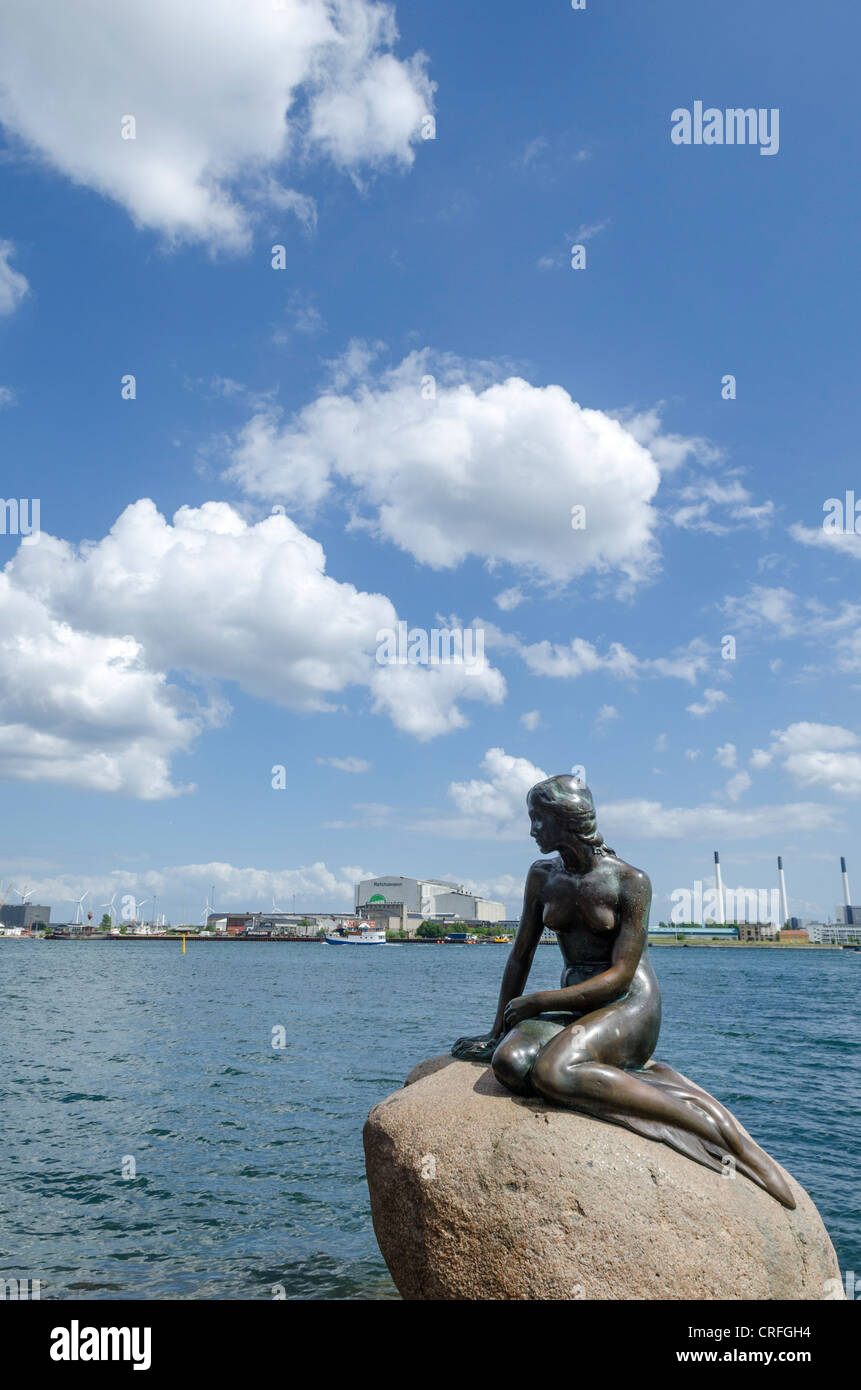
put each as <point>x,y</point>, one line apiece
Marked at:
<point>836,934</point>
<point>402,904</point>
<point>415,894</point>
<point>465,907</point>
<point>276,923</point>
<point>25,915</point>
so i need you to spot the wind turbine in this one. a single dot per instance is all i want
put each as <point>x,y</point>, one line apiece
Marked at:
<point>138,907</point>
<point>206,911</point>
<point>79,921</point>
<point>111,910</point>
<point>23,896</point>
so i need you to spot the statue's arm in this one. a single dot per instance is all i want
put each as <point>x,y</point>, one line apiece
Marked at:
<point>520,957</point>
<point>516,970</point>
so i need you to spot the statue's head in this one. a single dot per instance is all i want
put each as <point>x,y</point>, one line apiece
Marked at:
<point>562,811</point>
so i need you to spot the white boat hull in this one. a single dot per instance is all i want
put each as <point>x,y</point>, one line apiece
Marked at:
<point>371,938</point>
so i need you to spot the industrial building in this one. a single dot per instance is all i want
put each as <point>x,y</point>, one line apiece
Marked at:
<point>415,894</point>
<point>752,931</point>
<point>710,932</point>
<point>837,934</point>
<point>402,904</point>
<point>276,923</point>
<point>232,922</point>
<point>466,907</point>
<point>25,915</point>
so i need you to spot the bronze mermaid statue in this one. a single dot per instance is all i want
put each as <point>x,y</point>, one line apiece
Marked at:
<point>588,1045</point>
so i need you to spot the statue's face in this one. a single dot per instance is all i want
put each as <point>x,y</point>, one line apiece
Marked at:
<point>546,831</point>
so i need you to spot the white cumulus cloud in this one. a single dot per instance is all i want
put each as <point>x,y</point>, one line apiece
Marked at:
<point>493,806</point>
<point>710,701</point>
<point>819,755</point>
<point>348,764</point>
<point>479,467</point>
<point>509,598</point>
<point>639,819</point>
<point>847,542</point>
<point>580,657</point>
<point>720,506</point>
<point>85,709</point>
<point>726,755</point>
<point>227,99</point>
<point>737,785</point>
<point>13,285</point>
<point>88,635</point>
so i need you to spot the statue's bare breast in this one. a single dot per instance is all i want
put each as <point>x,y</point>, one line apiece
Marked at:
<point>583,910</point>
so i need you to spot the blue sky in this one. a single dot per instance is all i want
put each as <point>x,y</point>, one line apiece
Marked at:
<point>157,667</point>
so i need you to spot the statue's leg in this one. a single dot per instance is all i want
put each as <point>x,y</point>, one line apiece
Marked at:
<point>515,1056</point>
<point>608,1092</point>
<point>660,1074</point>
<point>567,1073</point>
<point>594,1065</point>
<point>752,1160</point>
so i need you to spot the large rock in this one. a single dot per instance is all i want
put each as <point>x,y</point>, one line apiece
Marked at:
<point>476,1194</point>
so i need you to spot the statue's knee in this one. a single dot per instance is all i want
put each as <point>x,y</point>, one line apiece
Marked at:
<point>561,1075</point>
<point>570,1079</point>
<point>550,1077</point>
<point>511,1065</point>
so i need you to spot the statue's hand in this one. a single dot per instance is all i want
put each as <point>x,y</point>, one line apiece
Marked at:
<point>516,1010</point>
<point>476,1049</point>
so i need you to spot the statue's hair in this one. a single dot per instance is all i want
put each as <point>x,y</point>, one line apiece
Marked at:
<point>571,802</point>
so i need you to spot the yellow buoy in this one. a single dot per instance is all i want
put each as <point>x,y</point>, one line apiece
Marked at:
<point>183,945</point>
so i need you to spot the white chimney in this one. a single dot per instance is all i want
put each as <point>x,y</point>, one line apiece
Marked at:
<point>784,905</point>
<point>846,898</point>
<point>719,885</point>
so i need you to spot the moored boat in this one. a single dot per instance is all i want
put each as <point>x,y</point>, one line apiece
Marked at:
<point>363,935</point>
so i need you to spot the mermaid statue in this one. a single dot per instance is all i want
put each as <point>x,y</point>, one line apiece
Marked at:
<point>588,1045</point>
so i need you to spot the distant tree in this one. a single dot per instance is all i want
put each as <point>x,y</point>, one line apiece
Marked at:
<point>429,931</point>
<point>105,924</point>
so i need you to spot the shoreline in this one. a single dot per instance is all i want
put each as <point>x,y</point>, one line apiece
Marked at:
<point>662,942</point>
<point>754,945</point>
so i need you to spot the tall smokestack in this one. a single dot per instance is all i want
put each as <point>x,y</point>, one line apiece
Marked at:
<point>846,898</point>
<point>784,906</point>
<point>719,885</point>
